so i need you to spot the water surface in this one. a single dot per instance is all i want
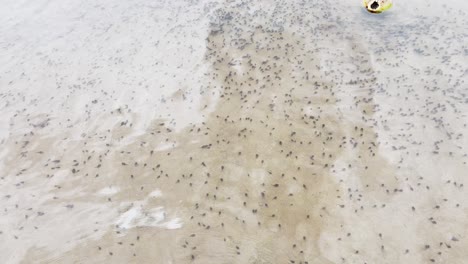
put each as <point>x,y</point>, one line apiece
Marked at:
<point>233,132</point>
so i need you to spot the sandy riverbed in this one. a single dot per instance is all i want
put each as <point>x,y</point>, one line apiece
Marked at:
<point>233,132</point>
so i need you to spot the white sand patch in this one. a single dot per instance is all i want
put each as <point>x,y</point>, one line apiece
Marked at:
<point>109,190</point>
<point>138,216</point>
<point>155,194</point>
<point>165,146</point>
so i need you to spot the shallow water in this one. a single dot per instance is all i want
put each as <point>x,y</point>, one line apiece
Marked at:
<point>233,132</point>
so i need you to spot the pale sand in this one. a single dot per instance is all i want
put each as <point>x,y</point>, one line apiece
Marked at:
<point>233,132</point>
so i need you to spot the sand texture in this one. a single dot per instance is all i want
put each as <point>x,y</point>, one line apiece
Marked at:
<point>219,132</point>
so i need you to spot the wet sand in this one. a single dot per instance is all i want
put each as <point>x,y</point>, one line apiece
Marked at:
<point>233,132</point>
